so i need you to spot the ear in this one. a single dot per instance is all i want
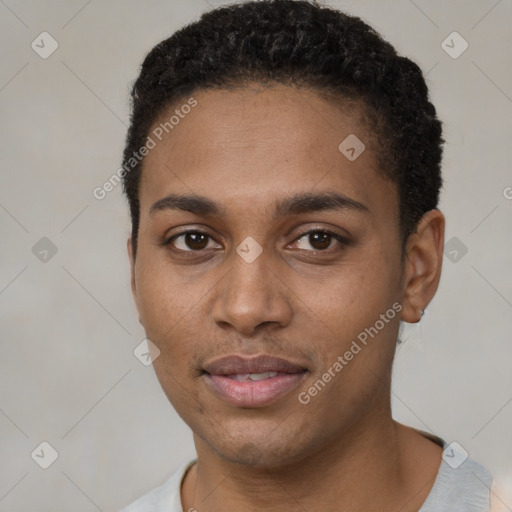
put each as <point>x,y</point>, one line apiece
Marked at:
<point>422,265</point>
<point>129,247</point>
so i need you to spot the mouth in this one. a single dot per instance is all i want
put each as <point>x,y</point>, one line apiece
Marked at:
<point>250,382</point>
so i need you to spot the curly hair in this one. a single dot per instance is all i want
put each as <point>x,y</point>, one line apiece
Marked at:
<point>301,44</point>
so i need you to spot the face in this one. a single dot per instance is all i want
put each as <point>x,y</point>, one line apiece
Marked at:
<point>264,257</point>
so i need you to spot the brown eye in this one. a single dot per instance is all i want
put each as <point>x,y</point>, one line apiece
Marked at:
<point>190,241</point>
<point>319,240</point>
<point>196,241</point>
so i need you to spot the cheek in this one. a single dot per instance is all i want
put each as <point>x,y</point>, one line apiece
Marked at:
<point>162,303</point>
<point>173,314</point>
<point>351,298</point>
<point>348,306</point>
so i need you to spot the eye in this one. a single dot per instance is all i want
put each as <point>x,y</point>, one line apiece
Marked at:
<point>191,241</point>
<point>319,240</point>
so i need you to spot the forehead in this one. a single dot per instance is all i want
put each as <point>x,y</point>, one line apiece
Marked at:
<point>252,144</point>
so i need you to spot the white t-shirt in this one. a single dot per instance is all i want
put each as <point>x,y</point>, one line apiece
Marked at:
<point>457,488</point>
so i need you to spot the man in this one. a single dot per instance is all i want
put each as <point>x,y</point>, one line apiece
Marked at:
<point>282,168</point>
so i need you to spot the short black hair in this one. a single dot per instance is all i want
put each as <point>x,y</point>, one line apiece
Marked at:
<point>302,44</point>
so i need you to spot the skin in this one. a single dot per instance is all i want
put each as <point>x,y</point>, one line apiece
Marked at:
<point>301,299</point>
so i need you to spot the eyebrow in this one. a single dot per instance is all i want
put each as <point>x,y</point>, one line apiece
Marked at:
<point>306,202</point>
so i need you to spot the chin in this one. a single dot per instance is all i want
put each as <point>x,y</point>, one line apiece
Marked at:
<point>264,449</point>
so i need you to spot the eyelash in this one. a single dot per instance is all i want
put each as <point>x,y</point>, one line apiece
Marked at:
<point>190,253</point>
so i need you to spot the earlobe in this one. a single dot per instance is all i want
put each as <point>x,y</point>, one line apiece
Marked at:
<point>422,266</point>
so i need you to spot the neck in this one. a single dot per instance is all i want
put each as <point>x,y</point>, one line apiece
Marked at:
<point>369,467</point>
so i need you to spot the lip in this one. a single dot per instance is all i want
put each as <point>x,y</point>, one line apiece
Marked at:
<point>230,365</point>
<point>219,377</point>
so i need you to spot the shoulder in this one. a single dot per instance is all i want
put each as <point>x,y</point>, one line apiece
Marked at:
<point>163,498</point>
<point>461,485</point>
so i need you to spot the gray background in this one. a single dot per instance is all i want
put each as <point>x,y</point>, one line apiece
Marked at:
<point>69,328</point>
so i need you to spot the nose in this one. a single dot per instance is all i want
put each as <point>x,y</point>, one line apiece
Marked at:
<point>252,296</point>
